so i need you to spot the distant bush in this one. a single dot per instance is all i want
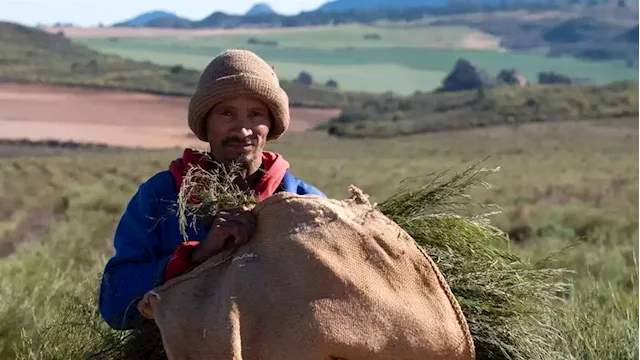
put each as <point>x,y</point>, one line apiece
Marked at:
<point>304,78</point>
<point>372,36</point>
<point>331,83</point>
<point>256,41</point>
<point>176,69</point>
<point>92,65</point>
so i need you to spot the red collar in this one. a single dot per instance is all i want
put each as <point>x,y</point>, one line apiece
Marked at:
<point>273,165</point>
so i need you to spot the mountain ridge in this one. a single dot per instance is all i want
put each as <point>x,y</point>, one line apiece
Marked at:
<point>147,17</point>
<point>334,12</point>
<point>260,8</point>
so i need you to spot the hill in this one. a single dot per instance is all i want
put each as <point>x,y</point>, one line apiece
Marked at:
<point>349,5</point>
<point>583,37</point>
<point>398,58</point>
<point>32,55</point>
<point>347,13</point>
<point>631,36</point>
<point>35,56</point>
<point>260,9</point>
<point>429,112</point>
<point>148,17</point>
<point>356,5</point>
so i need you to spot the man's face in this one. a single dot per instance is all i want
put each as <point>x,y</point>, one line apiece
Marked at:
<point>237,129</point>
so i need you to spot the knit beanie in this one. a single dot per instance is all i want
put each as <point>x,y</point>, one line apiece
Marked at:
<point>238,72</point>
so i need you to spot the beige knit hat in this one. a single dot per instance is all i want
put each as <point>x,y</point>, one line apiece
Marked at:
<point>238,72</point>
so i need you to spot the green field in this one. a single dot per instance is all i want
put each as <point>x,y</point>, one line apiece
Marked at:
<point>352,36</point>
<point>569,183</point>
<point>567,188</point>
<point>403,60</point>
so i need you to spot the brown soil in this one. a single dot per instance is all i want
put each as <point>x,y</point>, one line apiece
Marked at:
<point>37,112</point>
<point>478,40</point>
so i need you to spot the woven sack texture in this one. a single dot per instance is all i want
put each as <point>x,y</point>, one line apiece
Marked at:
<point>321,279</point>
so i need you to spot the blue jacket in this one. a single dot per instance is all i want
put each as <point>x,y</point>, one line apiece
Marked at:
<point>145,239</point>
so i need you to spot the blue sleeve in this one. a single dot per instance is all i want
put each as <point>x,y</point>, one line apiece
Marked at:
<point>135,268</point>
<point>295,185</point>
<point>305,188</point>
<point>308,189</point>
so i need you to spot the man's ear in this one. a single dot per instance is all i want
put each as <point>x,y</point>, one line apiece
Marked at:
<point>205,123</point>
<point>272,120</point>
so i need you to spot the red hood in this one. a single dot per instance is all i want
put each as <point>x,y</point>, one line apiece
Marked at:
<point>273,165</point>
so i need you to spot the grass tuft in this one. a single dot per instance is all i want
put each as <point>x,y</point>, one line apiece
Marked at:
<point>509,303</point>
<point>204,192</point>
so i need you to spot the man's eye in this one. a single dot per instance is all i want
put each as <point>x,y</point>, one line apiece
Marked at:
<point>225,112</point>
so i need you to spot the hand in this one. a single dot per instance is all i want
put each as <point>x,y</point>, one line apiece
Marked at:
<point>232,226</point>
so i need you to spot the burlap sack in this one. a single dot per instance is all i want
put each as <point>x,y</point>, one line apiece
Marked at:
<point>321,279</point>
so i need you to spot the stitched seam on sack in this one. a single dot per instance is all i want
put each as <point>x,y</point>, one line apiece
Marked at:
<point>454,303</point>
<point>194,273</point>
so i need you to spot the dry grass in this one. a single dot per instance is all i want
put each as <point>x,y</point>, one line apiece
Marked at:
<point>204,192</point>
<point>510,304</point>
<point>591,170</point>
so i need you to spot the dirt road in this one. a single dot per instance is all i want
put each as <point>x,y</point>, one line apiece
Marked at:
<point>39,112</point>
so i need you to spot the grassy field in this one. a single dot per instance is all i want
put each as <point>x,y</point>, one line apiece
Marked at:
<point>30,55</point>
<point>353,36</point>
<point>569,183</point>
<point>402,60</point>
<point>430,112</point>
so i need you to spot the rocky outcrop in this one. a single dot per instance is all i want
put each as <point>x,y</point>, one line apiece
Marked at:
<point>465,76</point>
<point>511,77</point>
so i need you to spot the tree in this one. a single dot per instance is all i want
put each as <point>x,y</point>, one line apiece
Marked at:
<point>481,93</point>
<point>331,83</point>
<point>92,65</point>
<point>305,78</point>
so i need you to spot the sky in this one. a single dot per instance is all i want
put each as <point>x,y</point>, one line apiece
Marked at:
<point>93,12</point>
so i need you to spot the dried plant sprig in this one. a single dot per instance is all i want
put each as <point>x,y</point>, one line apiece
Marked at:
<point>205,192</point>
<point>509,303</point>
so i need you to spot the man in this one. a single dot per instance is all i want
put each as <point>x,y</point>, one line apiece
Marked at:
<point>237,107</point>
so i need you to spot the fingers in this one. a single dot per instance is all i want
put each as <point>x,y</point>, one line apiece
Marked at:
<point>219,238</point>
<point>239,232</point>
<point>242,236</point>
<point>147,304</point>
<point>242,216</point>
<point>228,214</point>
<point>230,227</point>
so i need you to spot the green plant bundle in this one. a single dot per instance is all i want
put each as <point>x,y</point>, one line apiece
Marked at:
<point>510,304</point>
<point>206,191</point>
